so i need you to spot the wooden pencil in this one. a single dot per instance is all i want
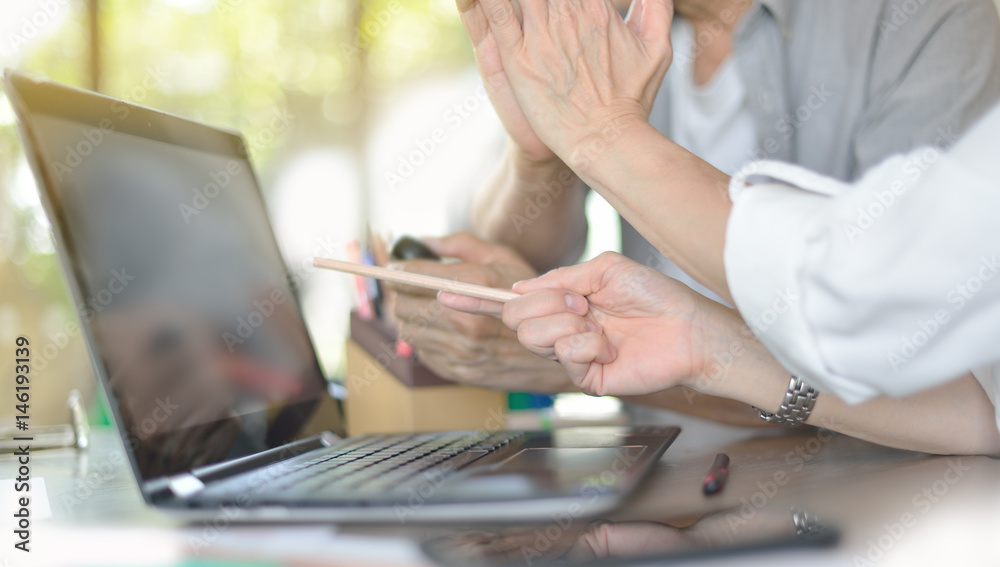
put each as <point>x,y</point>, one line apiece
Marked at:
<point>417,280</point>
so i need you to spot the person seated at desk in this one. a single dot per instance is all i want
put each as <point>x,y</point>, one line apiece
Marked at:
<point>882,295</point>
<point>832,85</point>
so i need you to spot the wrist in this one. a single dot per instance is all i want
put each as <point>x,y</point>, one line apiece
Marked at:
<point>735,364</point>
<point>712,340</point>
<point>535,174</point>
<point>608,144</point>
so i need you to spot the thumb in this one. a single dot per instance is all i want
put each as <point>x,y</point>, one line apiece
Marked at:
<point>585,279</point>
<point>650,21</point>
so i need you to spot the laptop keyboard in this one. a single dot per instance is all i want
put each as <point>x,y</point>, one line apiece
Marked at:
<point>378,463</point>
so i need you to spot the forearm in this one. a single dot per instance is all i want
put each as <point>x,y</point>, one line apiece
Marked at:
<point>537,209</point>
<point>677,201</point>
<point>955,418</point>
<point>690,402</point>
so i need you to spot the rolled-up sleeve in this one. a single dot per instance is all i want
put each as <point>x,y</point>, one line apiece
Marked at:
<point>886,286</point>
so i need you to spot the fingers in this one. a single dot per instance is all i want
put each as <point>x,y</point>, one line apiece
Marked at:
<point>458,348</point>
<point>582,357</point>
<point>650,21</point>
<point>533,15</point>
<point>541,335</point>
<point>553,324</point>
<point>462,272</point>
<point>474,20</point>
<point>470,248</point>
<point>584,279</point>
<point>426,267</point>
<point>543,303</point>
<point>419,313</point>
<point>503,23</point>
<point>585,348</point>
<point>633,19</point>
<point>468,304</point>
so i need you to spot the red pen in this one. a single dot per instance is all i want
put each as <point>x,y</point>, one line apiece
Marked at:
<point>717,475</point>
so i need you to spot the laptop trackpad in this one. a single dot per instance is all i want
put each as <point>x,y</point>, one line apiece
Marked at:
<point>552,470</point>
<point>587,460</point>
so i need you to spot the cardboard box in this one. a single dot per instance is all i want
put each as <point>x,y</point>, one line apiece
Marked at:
<point>388,392</point>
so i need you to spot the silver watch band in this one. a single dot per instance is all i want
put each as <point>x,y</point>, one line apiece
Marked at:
<point>795,407</point>
<point>806,523</point>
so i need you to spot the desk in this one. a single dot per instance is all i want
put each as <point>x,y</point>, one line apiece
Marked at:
<point>950,507</point>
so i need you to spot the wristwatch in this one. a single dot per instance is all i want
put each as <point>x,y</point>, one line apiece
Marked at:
<point>806,523</point>
<point>795,407</point>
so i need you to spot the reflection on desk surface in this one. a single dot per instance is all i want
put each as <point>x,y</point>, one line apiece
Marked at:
<point>599,541</point>
<point>893,509</point>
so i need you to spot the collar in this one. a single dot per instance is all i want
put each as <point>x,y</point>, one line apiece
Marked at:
<point>780,9</point>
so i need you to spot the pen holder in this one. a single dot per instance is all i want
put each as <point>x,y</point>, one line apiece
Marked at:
<point>389,391</point>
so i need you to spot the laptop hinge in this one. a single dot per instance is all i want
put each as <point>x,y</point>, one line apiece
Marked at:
<point>211,473</point>
<point>185,485</point>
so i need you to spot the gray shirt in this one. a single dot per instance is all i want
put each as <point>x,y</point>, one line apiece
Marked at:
<point>839,85</point>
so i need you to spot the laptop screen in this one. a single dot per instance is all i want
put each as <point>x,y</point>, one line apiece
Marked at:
<point>179,280</point>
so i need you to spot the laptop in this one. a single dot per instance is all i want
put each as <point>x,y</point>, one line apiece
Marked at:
<point>194,329</point>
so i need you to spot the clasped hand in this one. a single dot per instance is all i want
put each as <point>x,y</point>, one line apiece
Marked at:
<point>562,72</point>
<point>617,327</point>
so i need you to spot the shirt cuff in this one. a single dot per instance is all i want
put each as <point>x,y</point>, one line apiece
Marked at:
<point>770,232</point>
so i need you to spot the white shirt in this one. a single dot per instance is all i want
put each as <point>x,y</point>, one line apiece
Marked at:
<point>713,121</point>
<point>887,286</point>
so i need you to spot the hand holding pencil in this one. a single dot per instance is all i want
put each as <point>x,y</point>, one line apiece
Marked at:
<point>465,348</point>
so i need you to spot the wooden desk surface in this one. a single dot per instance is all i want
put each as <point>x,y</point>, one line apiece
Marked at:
<point>891,505</point>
